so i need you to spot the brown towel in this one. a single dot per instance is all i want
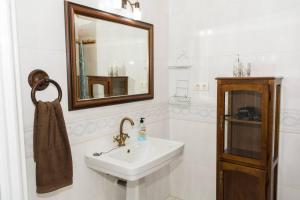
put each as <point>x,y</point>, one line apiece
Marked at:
<point>52,152</point>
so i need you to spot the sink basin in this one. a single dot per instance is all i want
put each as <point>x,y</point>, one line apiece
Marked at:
<point>137,159</point>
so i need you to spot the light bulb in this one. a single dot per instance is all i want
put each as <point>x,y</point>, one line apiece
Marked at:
<point>117,4</point>
<point>137,14</point>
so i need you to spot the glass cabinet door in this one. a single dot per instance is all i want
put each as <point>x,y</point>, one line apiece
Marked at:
<point>242,122</point>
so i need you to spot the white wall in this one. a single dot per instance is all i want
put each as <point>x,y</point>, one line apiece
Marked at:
<point>12,151</point>
<point>41,35</point>
<point>211,33</point>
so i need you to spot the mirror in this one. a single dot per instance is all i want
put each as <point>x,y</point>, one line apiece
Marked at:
<point>110,58</point>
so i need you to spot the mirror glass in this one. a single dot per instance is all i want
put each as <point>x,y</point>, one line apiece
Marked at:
<point>112,59</point>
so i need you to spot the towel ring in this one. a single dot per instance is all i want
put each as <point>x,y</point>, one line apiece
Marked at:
<point>39,80</point>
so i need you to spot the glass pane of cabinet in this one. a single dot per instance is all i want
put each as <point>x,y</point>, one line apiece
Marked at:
<point>243,123</point>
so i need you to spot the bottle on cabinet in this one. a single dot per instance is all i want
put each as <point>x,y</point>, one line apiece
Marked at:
<point>238,67</point>
<point>239,70</point>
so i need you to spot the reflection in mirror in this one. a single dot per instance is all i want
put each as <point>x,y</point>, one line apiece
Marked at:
<point>112,59</point>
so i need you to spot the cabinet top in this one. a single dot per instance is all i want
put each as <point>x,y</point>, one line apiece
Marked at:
<point>250,78</point>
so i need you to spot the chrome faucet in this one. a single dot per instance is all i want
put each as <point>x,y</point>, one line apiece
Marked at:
<point>121,138</point>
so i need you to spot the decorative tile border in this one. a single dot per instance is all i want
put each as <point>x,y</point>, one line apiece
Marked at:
<point>84,130</point>
<point>173,198</point>
<point>197,113</point>
<point>290,119</point>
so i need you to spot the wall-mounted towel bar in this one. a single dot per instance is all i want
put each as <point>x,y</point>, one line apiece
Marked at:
<point>38,81</point>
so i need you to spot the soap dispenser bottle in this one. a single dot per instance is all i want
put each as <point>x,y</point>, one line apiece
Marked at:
<point>142,131</point>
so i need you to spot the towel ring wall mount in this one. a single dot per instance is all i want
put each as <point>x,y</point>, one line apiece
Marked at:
<point>38,81</point>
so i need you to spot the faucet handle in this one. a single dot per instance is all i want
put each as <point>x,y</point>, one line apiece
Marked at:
<point>116,138</point>
<point>126,135</point>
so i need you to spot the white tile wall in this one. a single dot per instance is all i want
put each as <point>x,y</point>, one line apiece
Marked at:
<point>41,37</point>
<point>265,33</point>
<point>193,176</point>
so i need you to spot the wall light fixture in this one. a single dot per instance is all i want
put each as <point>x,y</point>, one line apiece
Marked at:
<point>135,8</point>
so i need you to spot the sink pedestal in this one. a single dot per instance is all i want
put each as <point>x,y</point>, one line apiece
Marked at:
<point>132,190</point>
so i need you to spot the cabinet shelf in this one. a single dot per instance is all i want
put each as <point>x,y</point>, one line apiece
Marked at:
<point>231,119</point>
<point>243,153</point>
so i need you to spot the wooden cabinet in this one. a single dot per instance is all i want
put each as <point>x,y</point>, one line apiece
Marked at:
<point>113,85</point>
<point>248,113</point>
<point>240,182</point>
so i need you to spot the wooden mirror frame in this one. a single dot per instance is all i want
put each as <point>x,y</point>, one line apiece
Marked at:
<point>74,103</point>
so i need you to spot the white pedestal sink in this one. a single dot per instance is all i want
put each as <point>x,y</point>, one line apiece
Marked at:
<point>135,161</point>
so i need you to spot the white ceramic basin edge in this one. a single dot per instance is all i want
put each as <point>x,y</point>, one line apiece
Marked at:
<point>137,159</point>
